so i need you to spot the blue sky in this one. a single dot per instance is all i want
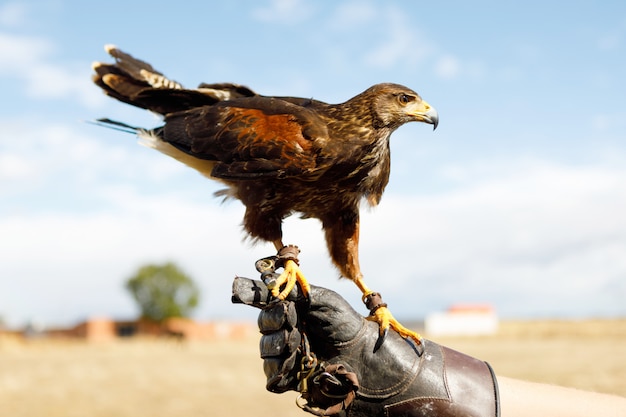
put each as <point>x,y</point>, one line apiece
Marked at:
<point>517,199</point>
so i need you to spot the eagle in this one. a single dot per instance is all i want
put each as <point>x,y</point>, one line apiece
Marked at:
<point>278,155</point>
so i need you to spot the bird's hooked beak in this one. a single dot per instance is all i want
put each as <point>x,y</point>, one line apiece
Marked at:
<point>424,112</point>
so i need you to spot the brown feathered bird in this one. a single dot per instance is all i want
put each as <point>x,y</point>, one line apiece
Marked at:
<point>278,155</point>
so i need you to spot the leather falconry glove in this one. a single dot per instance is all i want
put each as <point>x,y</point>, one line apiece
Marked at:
<point>324,349</point>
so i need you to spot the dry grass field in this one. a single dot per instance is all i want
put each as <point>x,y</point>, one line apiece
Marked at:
<point>157,378</point>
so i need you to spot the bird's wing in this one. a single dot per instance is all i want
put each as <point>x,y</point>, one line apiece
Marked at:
<point>252,137</point>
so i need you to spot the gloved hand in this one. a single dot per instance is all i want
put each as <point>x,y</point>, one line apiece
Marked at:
<point>324,349</point>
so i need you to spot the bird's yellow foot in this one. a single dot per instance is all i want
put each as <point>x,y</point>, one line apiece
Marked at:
<point>289,277</point>
<point>380,314</point>
<point>287,258</point>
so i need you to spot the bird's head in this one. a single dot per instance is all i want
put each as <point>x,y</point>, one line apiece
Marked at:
<point>394,105</point>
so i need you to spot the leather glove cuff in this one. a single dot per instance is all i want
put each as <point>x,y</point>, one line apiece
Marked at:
<point>443,383</point>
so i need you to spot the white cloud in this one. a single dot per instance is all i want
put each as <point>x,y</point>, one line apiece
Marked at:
<point>605,122</point>
<point>350,15</point>
<point>609,42</point>
<point>30,59</point>
<point>65,266</point>
<point>288,12</point>
<point>14,167</point>
<point>401,44</point>
<point>21,52</point>
<point>531,237</point>
<point>538,239</point>
<point>13,14</point>
<point>79,214</point>
<point>447,67</point>
<point>50,156</point>
<point>613,38</point>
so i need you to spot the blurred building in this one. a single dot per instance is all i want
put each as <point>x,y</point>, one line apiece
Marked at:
<point>104,329</point>
<point>462,320</point>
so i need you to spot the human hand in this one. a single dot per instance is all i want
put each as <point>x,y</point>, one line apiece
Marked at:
<point>324,349</point>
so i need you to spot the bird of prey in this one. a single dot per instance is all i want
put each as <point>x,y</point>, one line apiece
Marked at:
<point>278,155</point>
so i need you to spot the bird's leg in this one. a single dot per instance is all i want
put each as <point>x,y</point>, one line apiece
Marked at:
<point>287,257</point>
<point>380,314</point>
<point>342,238</point>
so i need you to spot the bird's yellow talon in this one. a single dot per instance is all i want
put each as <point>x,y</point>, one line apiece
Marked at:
<point>381,317</point>
<point>290,276</point>
<point>385,320</point>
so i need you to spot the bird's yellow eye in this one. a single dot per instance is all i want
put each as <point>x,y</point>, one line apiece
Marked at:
<point>405,99</point>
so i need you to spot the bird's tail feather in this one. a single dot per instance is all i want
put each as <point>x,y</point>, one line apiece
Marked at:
<point>115,125</point>
<point>140,70</point>
<point>131,80</point>
<point>136,82</point>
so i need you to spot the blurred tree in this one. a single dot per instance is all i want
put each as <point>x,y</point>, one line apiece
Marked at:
<point>163,291</point>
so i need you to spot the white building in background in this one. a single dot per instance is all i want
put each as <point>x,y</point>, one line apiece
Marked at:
<point>462,320</point>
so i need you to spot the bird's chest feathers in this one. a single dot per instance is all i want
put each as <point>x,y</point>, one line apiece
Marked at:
<point>375,172</point>
<point>361,167</point>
